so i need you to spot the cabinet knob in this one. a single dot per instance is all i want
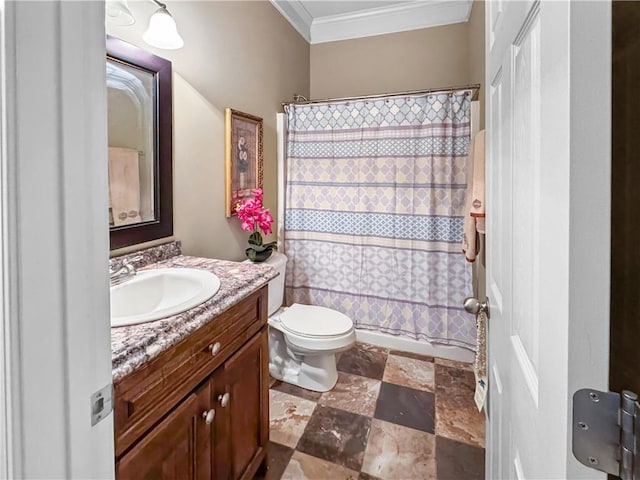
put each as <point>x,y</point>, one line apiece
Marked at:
<point>209,416</point>
<point>214,348</point>
<point>224,399</point>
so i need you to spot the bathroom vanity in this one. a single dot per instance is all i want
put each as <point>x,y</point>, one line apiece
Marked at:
<point>191,391</point>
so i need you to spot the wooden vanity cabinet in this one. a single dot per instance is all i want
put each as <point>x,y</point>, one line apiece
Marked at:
<point>178,447</point>
<point>243,428</point>
<point>156,441</point>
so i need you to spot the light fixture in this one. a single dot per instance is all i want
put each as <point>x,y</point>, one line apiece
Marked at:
<point>118,13</point>
<point>162,31</point>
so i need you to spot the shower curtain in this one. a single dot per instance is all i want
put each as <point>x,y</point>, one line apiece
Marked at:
<point>374,199</point>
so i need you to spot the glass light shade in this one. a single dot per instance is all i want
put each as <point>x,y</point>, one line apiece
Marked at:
<point>118,13</point>
<point>162,31</point>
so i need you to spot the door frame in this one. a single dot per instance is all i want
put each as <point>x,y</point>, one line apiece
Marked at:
<point>590,207</point>
<point>625,324</point>
<point>55,329</point>
<point>7,446</point>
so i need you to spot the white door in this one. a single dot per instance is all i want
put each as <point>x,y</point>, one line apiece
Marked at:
<point>548,220</point>
<point>55,344</point>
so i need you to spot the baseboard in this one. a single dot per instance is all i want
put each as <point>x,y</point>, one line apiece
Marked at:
<point>415,346</point>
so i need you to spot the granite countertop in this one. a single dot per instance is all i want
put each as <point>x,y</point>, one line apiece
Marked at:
<point>135,345</point>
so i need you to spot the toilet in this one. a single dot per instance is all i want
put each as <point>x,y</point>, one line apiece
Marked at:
<point>304,339</point>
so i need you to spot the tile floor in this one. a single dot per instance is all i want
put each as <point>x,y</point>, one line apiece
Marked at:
<point>392,415</point>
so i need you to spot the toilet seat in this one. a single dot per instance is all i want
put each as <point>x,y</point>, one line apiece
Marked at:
<point>312,330</point>
<point>312,321</point>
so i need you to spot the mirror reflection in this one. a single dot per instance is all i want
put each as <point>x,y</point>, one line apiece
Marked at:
<point>140,154</point>
<point>131,99</point>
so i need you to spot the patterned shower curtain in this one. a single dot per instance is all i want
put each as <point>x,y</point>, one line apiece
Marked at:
<point>374,199</point>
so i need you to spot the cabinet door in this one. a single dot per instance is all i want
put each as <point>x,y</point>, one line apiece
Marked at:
<point>179,447</point>
<point>244,410</point>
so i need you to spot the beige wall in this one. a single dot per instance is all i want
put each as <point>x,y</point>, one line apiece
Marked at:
<point>242,55</point>
<point>476,51</point>
<point>427,58</point>
<point>413,60</point>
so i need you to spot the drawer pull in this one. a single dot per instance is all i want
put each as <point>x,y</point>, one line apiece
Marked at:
<point>214,348</point>
<point>209,416</point>
<point>224,399</point>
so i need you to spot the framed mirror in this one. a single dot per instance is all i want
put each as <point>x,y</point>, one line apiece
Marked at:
<point>139,102</point>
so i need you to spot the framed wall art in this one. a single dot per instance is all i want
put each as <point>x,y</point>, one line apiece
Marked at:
<point>243,157</point>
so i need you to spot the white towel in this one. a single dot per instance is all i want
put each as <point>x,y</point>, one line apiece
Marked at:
<point>475,204</point>
<point>479,190</point>
<point>124,186</point>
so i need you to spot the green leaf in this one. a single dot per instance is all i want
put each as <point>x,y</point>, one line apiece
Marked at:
<point>255,239</point>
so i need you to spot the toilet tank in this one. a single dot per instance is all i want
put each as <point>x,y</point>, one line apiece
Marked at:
<point>276,286</point>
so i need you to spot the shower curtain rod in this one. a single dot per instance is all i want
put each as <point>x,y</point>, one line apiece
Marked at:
<point>475,87</point>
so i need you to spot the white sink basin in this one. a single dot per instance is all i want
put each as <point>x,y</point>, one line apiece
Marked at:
<point>155,294</point>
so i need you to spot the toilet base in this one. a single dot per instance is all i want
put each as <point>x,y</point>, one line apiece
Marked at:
<point>314,372</point>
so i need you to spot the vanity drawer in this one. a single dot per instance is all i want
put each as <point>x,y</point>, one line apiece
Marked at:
<point>146,395</point>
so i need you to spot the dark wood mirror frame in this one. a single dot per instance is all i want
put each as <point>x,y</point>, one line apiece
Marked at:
<point>162,225</point>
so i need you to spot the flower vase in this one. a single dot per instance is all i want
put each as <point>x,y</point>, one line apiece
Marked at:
<point>258,256</point>
<point>258,251</point>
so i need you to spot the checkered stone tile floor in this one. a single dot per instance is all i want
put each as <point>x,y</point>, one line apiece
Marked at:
<point>392,415</point>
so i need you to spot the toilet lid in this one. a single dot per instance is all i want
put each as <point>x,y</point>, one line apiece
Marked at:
<point>312,321</point>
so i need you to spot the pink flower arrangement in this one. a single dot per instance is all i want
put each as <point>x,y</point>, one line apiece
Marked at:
<point>255,217</point>
<point>252,214</point>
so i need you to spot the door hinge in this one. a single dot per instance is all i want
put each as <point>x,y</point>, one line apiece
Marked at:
<point>101,403</point>
<point>606,432</point>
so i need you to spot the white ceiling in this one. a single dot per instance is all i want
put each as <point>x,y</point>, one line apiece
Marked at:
<point>320,21</point>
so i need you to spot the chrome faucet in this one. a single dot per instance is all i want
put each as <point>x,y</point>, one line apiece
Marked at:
<point>126,272</point>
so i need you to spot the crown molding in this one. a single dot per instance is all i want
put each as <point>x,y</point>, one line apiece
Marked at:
<point>396,18</point>
<point>296,15</point>
<point>411,15</point>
